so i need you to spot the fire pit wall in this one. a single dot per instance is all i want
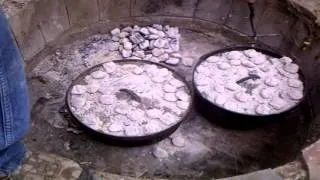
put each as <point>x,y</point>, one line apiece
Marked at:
<point>40,24</point>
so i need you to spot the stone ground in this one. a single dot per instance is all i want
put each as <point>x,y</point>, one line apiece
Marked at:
<point>210,151</point>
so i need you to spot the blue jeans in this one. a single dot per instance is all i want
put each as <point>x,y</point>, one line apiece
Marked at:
<point>14,105</point>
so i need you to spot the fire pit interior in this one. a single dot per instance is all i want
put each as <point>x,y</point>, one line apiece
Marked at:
<point>78,35</point>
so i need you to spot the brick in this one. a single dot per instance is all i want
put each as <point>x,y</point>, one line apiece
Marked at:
<point>213,10</point>
<point>239,16</point>
<point>275,20</point>
<point>33,44</point>
<point>27,33</point>
<point>312,158</point>
<point>179,8</point>
<point>110,9</point>
<point>82,12</point>
<point>267,174</point>
<point>53,18</point>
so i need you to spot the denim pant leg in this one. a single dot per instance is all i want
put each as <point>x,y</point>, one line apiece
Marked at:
<point>14,105</point>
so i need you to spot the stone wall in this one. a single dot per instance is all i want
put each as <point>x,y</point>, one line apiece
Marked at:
<point>292,28</point>
<point>289,25</point>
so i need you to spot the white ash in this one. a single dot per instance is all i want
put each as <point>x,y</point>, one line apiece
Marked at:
<point>160,153</point>
<point>277,89</point>
<point>158,43</point>
<point>131,99</point>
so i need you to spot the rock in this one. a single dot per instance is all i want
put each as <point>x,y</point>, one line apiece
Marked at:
<point>114,46</point>
<point>152,30</point>
<point>267,174</point>
<point>110,67</point>
<point>157,52</point>
<point>161,34</point>
<point>127,29</point>
<point>139,54</point>
<point>312,159</point>
<point>174,45</point>
<point>148,57</point>
<point>178,141</point>
<point>144,45</point>
<point>160,43</point>
<point>173,32</point>
<point>136,38</point>
<point>173,61</point>
<point>176,55</point>
<point>160,153</point>
<point>126,53</point>
<point>127,45</point>
<point>138,70</point>
<point>157,26</point>
<point>115,32</point>
<point>155,59</point>
<point>123,34</point>
<point>99,74</point>
<point>293,170</point>
<point>164,57</point>
<point>136,28</point>
<point>124,40</point>
<point>153,36</point>
<point>78,89</point>
<point>115,38</point>
<point>187,61</point>
<point>144,31</point>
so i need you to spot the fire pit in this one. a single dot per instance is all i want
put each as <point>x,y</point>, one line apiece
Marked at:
<point>61,39</point>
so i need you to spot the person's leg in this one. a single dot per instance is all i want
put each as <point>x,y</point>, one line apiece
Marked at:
<point>14,105</point>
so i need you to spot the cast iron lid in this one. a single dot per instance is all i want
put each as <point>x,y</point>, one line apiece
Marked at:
<point>265,51</point>
<point>80,80</point>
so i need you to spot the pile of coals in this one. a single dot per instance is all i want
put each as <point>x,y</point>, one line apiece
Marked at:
<point>155,43</point>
